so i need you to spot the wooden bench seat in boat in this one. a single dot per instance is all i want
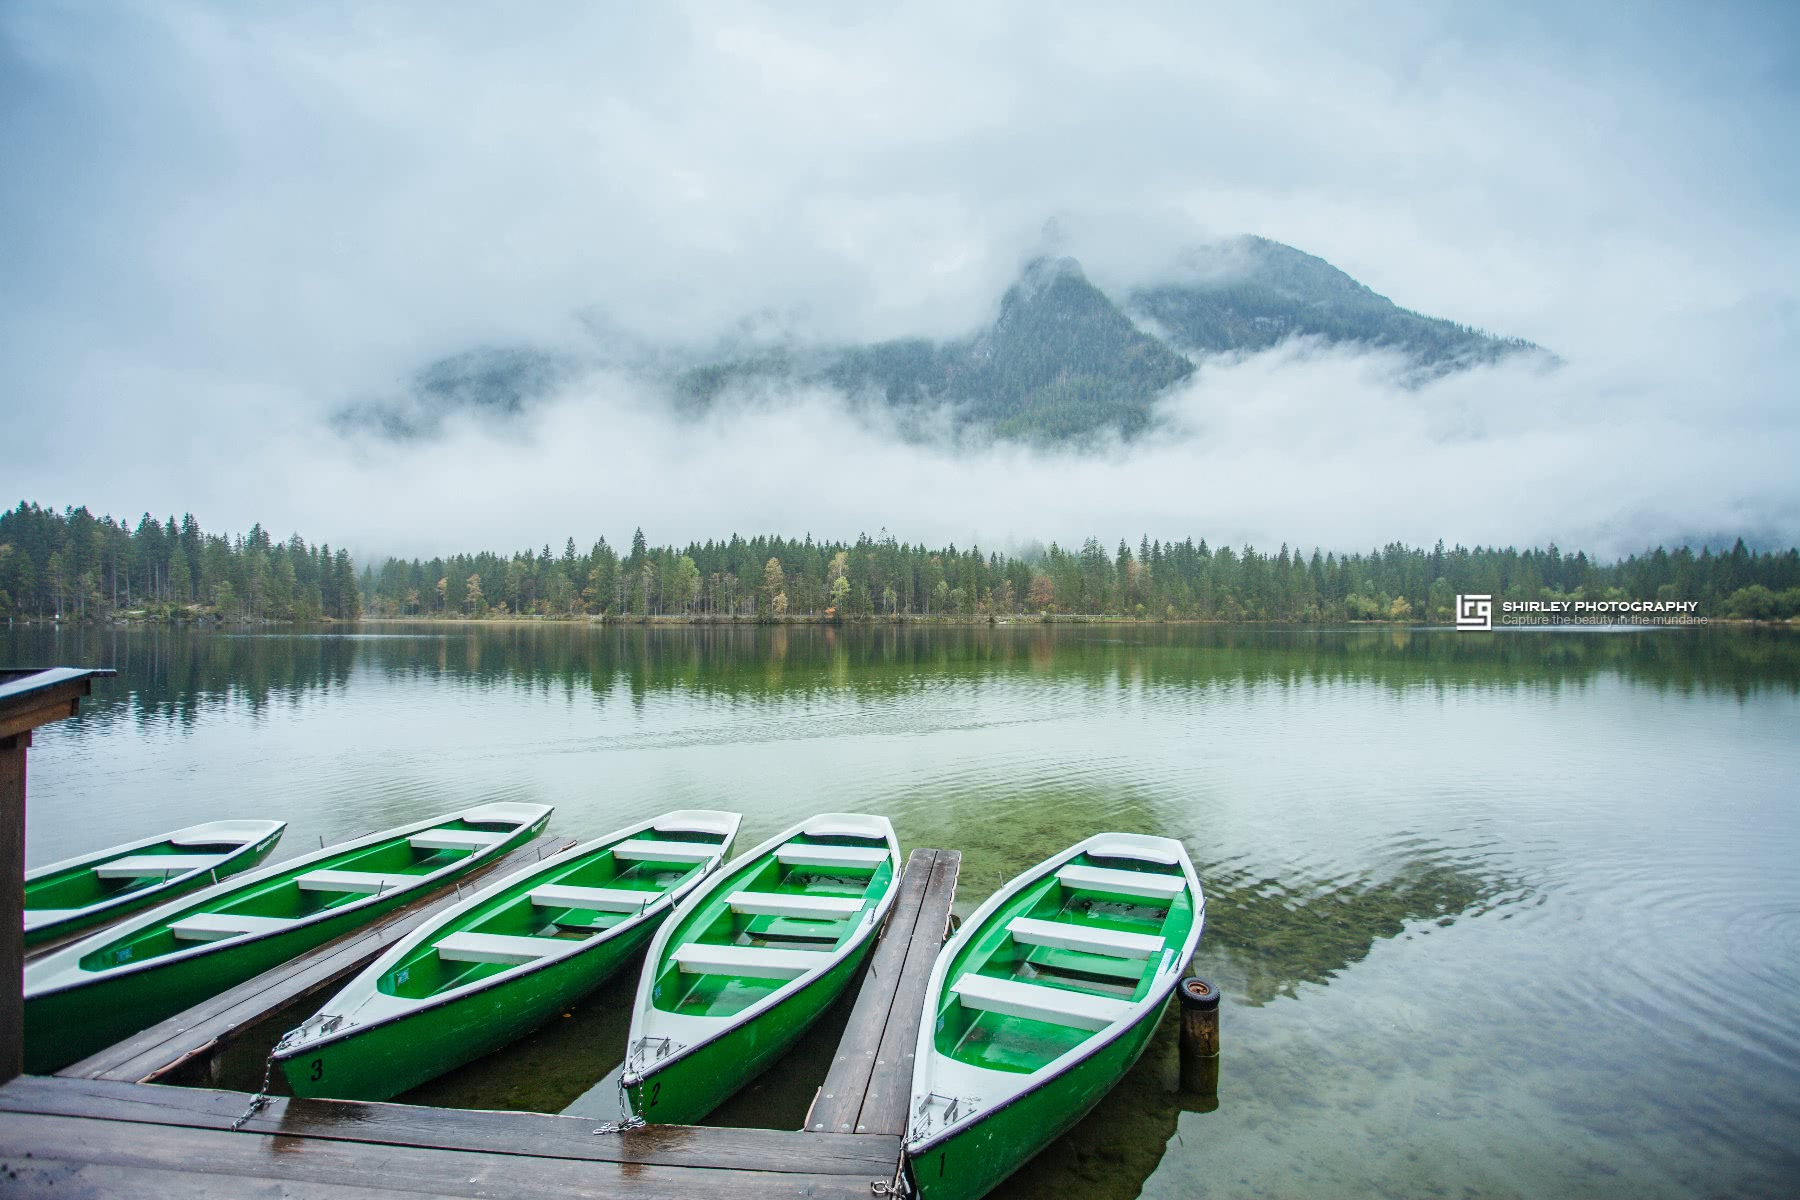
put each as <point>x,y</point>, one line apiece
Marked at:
<point>496,948</point>
<point>154,866</point>
<point>752,962</point>
<point>367,882</point>
<point>1062,935</point>
<point>1054,1006</point>
<point>455,839</point>
<point>216,927</point>
<point>651,850</point>
<point>1122,883</point>
<point>591,899</point>
<point>782,904</point>
<point>799,854</point>
<point>696,822</point>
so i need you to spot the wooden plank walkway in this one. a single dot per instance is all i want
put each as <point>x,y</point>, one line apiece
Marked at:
<point>109,1135</point>
<point>212,1024</point>
<point>870,1081</point>
<point>128,1139</point>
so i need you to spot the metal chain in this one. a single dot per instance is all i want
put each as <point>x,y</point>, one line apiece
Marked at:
<point>261,1099</point>
<point>631,1121</point>
<point>621,1126</point>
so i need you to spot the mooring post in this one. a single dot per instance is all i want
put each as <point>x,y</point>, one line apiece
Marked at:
<point>1199,1037</point>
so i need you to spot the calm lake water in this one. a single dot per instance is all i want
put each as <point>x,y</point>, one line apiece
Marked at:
<point>1511,914</point>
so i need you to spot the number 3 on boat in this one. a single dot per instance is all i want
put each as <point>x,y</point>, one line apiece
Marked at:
<point>1042,1001</point>
<point>752,958</point>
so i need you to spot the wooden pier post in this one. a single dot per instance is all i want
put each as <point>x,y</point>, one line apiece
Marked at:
<point>12,904</point>
<point>27,699</point>
<point>1199,1037</point>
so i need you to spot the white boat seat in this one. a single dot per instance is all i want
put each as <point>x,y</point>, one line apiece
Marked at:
<point>455,839</point>
<point>153,866</point>
<point>1148,884</point>
<point>1062,935</point>
<point>368,882</point>
<point>781,904</point>
<point>799,854</point>
<point>755,962</point>
<point>651,850</point>
<point>1055,1006</point>
<point>1139,846</point>
<point>592,899</point>
<point>216,927</point>
<point>719,824</point>
<point>497,948</point>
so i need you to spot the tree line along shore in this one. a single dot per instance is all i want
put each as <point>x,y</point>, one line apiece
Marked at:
<point>71,565</point>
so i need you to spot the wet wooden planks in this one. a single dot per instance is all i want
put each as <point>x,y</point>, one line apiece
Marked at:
<point>208,1026</point>
<point>63,1137</point>
<point>869,1085</point>
<point>96,1130</point>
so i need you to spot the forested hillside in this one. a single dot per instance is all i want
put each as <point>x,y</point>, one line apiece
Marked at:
<point>1060,361</point>
<point>76,565</point>
<point>1249,293</point>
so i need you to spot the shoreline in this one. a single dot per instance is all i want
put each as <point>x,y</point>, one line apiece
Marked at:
<point>212,621</point>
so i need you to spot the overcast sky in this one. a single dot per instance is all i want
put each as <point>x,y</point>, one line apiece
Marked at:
<point>220,224</point>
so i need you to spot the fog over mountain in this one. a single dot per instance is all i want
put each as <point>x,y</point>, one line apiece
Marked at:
<point>1060,362</point>
<point>417,279</point>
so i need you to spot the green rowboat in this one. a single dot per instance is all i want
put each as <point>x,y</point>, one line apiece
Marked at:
<point>752,958</point>
<point>503,961</point>
<point>1041,1003</point>
<point>79,893</point>
<point>86,996</point>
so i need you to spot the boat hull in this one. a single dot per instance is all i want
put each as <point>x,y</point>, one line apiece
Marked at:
<point>687,1088</point>
<point>389,1058</point>
<point>975,1159</point>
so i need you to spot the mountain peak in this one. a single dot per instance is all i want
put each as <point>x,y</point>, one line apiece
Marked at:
<point>1045,269</point>
<point>1061,361</point>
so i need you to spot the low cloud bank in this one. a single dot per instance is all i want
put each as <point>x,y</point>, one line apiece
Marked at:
<point>1303,444</point>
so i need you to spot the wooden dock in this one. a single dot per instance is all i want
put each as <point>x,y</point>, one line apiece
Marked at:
<point>870,1081</point>
<point>65,1138</point>
<point>102,1128</point>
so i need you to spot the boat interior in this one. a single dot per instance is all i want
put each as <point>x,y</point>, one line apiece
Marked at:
<point>309,888</point>
<point>1063,959</point>
<point>85,884</point>
<point>542,915</point>
<point>774,920</point>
